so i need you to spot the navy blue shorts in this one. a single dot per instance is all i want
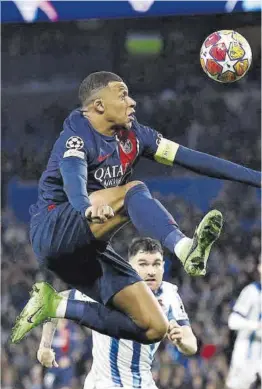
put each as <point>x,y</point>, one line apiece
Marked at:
<point>63,242</point>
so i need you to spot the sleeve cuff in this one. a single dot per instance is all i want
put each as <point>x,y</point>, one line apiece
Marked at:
<point>83,210</point>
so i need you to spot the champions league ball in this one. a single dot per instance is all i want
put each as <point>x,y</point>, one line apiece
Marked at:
<point>225,56</point>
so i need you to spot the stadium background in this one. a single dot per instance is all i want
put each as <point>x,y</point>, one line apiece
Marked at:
<point>158,56</point>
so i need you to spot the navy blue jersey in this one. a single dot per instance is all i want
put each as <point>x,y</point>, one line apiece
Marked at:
<point>83,161</point>
<point>109,160</point>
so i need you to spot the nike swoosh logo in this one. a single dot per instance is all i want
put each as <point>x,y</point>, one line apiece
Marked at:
<point>101,158</point>
<point>29,319</point>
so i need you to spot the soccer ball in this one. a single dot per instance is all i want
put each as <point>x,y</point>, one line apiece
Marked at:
<point>225,56</point>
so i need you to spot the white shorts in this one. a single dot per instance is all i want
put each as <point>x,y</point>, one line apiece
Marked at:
<point>242,375</point>
<point>90,384</point>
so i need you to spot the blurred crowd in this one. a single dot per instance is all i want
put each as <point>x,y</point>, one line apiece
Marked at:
<point>208,302</point>
<point>187,107</point>
<point>43,67</point>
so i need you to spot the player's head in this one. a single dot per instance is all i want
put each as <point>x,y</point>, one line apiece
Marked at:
<point>105,94</point>
<point>146,257</point>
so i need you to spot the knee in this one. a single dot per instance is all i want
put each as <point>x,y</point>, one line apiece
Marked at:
<point>132,184</point>
<point>157,331</point>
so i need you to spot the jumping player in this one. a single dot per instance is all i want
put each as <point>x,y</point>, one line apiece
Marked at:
<point>86,192</point>
<point>123,363</point>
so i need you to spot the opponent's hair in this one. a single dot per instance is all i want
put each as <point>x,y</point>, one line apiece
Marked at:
<point>147,245</point>
<point>94,82</point>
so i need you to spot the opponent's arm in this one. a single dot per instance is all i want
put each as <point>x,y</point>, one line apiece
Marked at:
<point>74,174</point>
<point>170,153</point>
<point>182,337</point>
<point>179,330</point>
<point>239,318</point>
<point>238,322</point>
<point>45,353</point>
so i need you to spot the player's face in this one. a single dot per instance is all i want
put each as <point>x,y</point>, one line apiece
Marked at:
<point>119,107</point>
<point>150,267</point>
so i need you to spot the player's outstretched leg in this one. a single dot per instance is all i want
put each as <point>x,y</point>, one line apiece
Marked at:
<point>41,306</point>
<point>194,253</point>
<point>151,219</point>
<point>148,323</point>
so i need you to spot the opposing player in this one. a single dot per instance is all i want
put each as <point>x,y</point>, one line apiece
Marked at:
<point>87,182</point>
<point>123,363</point>
<point>246,319</point>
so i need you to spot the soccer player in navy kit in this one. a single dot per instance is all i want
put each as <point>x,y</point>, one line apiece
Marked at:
<point>86,192</point>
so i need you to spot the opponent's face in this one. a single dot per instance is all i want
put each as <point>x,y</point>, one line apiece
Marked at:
<point>150,267</point>
<point>118,107</point>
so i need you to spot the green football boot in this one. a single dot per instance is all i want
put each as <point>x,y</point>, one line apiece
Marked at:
<point>41,306</point>
<point>195,254</point>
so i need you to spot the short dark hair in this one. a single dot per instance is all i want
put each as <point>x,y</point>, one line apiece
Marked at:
<point>95,81</point>
<point>147,245</point>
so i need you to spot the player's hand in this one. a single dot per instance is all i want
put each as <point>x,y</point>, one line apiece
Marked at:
<point>175,332</point>
<point>46,356</point>
<point>99,214</point>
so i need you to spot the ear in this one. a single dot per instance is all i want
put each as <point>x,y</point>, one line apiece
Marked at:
<point>99,106</point>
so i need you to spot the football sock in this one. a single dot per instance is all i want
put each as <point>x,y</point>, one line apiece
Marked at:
<point>184,244</point>
<point>104,320</point>
<point>150,217</point>
<point>61,308</point>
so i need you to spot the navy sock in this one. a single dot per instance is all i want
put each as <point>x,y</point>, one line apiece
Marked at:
<point>105,320</point>
<point>150,217</point>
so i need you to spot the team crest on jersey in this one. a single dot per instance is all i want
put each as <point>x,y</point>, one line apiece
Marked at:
<point>75,142</point>
<point>126,146</point>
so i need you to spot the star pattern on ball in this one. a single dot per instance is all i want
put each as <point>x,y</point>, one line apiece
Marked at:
<point>228,64</point>
<point>225,56</point>
<point>75,142</point>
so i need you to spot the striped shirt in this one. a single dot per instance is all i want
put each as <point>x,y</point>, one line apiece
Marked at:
<point>124,363</point>
<point>248,306</point>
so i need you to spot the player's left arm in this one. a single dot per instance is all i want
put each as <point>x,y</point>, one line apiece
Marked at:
<point>182,337</point>
<point>171,153</point>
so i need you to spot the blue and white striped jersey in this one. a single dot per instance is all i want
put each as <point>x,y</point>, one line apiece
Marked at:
<point>248,306</point>
<point>124,363</point>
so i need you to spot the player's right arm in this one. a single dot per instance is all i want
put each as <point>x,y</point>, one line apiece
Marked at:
<point>45,353</point>
<point>74,167</point>
<point>239,317</point>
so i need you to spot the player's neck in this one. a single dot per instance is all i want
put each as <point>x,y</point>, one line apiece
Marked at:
<point>100,125</point>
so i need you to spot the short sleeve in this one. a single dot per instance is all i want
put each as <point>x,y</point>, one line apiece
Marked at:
<point>77,295</point>
<point>177,310</point>
<point>244,302</point>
